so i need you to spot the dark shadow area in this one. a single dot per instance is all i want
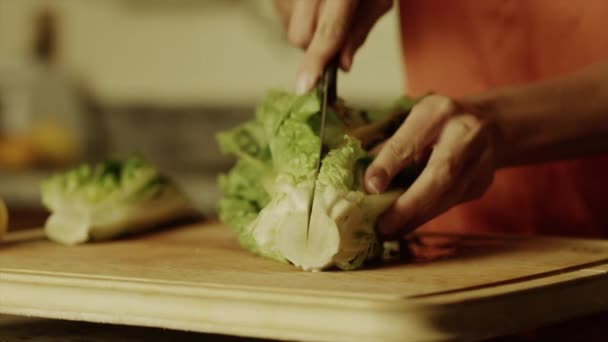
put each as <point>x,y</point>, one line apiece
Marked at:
<point>21,218</point>
<point>591,328</point>
<point>58,330</point>
<point>162,228</point>
<point>425,248</point>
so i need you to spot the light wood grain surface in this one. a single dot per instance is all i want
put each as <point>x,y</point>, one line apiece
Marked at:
<point>197,278</point>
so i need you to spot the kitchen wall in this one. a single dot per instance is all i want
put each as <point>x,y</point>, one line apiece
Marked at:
<point>208,51</point>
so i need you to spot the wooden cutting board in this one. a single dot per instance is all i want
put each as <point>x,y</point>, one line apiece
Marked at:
<point>197,278</point>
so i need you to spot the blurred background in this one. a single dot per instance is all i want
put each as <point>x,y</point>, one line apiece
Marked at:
<point>81,81</point>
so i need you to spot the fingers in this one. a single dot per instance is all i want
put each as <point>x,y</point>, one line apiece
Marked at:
<point>284,8</point>
<point>321,28</point>
<point>302,22</point>
<point>452,171</point>
<point>333,23</point>
<point>412,139</point>
<point>367,15</point>
<point>374,151</point>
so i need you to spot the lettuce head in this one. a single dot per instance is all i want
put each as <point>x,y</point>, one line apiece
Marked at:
<point>266,194</point>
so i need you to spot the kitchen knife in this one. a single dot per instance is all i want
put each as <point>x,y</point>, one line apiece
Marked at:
<point>327,92</point>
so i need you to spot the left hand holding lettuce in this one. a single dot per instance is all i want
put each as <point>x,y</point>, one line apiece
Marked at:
<point>460,168</point>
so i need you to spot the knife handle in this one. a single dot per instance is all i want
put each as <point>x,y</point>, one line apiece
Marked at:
<point>329,79</point>
<point>378,131</point>
<point>374,133</point>
<point>332,80</point>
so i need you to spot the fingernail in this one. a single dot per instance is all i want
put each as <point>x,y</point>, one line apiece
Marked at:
<point>347,63</point>
<point>303,84</point>
<point>377,183</point>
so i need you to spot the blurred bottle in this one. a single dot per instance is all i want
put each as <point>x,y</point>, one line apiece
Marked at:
<point>42,120</point>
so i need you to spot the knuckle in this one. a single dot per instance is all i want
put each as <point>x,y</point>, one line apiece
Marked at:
<point>299,38</point>
<point>329,32</point>
<point>444,104</point>
<point>476,136</point>
<point>435,107</point>
<point>469,123</point>
<point>439,103</point>
<point>398,150</point>
<point>445,174</point>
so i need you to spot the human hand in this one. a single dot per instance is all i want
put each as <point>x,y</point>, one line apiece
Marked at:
<point>324,29</point>
<point>460,168</point>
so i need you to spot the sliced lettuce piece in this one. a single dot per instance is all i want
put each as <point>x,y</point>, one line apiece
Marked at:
<point>110,199</point>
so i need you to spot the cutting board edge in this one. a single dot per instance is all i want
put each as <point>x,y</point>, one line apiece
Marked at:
<point>303,317</point>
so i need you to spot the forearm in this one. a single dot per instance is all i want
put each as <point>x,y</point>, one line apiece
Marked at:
<point>562,118</point>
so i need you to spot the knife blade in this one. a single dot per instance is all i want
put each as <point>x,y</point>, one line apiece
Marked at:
<point>327,92</point>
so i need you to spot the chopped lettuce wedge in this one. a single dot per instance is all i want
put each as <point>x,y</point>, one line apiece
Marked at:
<point>110,199</point>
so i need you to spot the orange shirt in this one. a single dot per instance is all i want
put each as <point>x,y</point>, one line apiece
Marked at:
<point>459,47</point>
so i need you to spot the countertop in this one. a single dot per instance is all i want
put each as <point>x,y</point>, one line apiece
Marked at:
<point>12,328</point>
